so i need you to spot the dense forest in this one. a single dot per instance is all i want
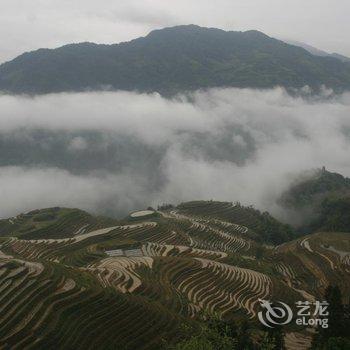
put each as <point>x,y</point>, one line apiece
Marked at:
<point>174,60</point>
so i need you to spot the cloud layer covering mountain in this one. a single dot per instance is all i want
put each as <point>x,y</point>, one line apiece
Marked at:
<point>113,152</point>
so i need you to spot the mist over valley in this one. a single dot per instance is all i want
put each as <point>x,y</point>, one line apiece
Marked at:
<point>114,152</point>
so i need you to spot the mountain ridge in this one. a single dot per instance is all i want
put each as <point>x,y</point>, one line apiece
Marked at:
<point>317,52</point>
<point>171,60</point>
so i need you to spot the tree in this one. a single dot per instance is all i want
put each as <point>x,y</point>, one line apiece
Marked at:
<point>267,343</point>
<point>214,334</point>
<point>336,336</point>
<point>244,337</point>
<point>337,344</point>
<point>336,313</point>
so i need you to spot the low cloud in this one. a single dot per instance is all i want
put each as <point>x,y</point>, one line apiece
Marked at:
<point>23,189</point>
<point>78,143</point>
<point>113,152</point>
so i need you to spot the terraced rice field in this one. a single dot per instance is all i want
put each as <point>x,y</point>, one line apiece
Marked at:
<point>142,213</point>
<point>129,285</point>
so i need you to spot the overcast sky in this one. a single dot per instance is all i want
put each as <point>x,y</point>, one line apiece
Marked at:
<point>27,25</point>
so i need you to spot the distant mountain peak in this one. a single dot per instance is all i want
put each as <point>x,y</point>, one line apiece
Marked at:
<point>173,60</point>
<point>317,52</point>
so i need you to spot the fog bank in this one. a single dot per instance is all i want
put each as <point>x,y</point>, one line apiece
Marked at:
<point>113,152</point>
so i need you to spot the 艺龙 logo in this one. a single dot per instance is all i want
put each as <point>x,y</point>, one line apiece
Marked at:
<point>309,313</point>
<point>274,314</point>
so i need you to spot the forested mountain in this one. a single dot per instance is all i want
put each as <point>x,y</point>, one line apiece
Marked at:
<point>325,197</point>
<point>171,60</point>
<point>314,186</point>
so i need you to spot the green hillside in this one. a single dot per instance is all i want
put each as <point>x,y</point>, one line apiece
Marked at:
<point>312,187</point>
<point>155,277</point>
<point>171,60</point>
<point>334,214</point>
<point>261,227</point>
<point>52,223</point>
<point>325,196</point>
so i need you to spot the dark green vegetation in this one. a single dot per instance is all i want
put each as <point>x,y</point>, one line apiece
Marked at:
<point>334,215</point>
<point>212,334</point>
<point>262,226</point>
<point>172,60</point>
<point>311,188</point>
<point>217,334</point>
<point>325,196</point>
<point>52,223</point>
<point>336,336</point>
<point>70,280</point>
